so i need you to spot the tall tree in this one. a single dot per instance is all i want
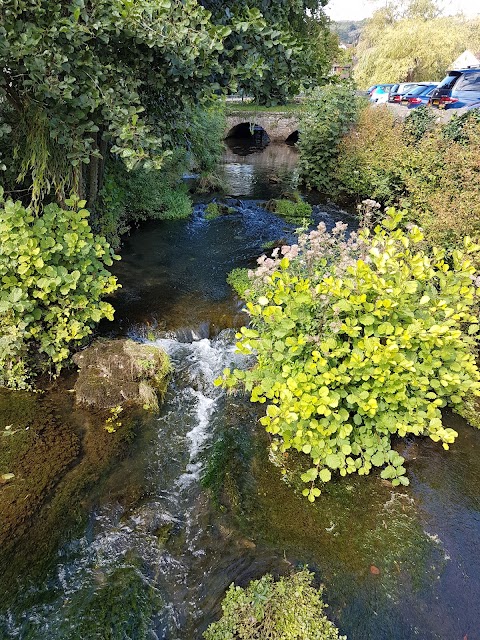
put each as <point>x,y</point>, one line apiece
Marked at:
<point>412,42</point>
<point>298,51</point>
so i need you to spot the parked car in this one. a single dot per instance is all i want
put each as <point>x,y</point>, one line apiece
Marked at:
<point>419,96</point>
<point>380,93</point>
<point>458,89</point>
<point>399,90</point>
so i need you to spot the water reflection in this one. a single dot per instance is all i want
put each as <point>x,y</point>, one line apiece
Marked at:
<point>264,175</point>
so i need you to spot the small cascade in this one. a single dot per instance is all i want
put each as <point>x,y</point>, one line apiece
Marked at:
<point>136,542</point>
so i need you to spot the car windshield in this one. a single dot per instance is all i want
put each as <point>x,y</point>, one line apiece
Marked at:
<point>406,88</point>
<point>449,81</point>
<point>418,90</point>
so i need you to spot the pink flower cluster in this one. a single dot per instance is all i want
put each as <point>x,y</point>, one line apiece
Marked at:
<point>316,254</point>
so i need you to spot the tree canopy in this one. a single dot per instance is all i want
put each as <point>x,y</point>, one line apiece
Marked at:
<point>302,55</point>
<point>80,76</point>
<point>412,42</point>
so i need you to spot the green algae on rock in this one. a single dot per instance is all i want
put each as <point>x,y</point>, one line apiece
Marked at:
<point>291,207</point>
<point>115,605</point>
<point>35,450</point>
<point>115,372</point>
<point>216,209</point>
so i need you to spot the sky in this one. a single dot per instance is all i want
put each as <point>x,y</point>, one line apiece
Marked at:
<point>359,9</point>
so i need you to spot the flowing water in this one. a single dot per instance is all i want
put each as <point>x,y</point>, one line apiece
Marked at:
<point>396,564</point>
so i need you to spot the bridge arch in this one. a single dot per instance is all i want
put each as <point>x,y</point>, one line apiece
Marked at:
<point>250,132</point>
<point>278,125</point>
<point>293,138</point>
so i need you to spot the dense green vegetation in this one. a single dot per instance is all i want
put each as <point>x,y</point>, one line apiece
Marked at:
<point>429,169</point>
<point>329,114</point>
<point>53,279</point>
<point>359,339</point>
<point>412,41</point>
<point>130,197</point>
<point>287,609</point>
<point>92,91</point>
<point>86,80</point>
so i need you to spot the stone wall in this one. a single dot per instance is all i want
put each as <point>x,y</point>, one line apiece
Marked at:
<point>278,125</point>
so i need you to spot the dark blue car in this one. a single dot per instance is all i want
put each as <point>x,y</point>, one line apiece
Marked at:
<point>420,95</point>
<point>458,89</point>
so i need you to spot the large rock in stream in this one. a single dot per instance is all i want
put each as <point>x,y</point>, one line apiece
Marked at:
<point>115,372</point>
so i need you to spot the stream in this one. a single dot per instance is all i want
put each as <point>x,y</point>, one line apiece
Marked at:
<point>397,564</point>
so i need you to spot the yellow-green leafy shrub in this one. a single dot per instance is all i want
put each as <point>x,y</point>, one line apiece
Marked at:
<point>357,340</point>
<point>288,609</point>
<point>52,281</point>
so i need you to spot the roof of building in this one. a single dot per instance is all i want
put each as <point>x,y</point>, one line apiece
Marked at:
<point>466,59</point>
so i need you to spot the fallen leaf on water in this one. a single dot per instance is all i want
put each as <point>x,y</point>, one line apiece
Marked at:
<point>374,570</point>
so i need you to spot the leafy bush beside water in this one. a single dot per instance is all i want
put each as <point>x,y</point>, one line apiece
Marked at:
<point>431,170</point>
<point>130,197</point>
<point>287,609</point>
<point>358,340</point>
<point>53,279</point>
<point>329,114</point>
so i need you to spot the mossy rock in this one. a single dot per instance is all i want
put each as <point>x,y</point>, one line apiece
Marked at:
<point>215,210</point>
<point>115,372</point>
<point>291,207</point>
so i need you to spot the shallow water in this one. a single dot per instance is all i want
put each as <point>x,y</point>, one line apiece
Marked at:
<point>158,567</point>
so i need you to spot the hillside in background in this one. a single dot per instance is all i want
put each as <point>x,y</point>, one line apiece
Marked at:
<point>349,31</point>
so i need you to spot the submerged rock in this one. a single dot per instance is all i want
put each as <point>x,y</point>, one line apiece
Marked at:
<point>115,372</point>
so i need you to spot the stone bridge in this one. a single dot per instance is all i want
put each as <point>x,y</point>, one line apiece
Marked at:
<point>279,126</point>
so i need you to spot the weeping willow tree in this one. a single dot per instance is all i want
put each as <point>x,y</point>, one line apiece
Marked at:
<point>412,41</point>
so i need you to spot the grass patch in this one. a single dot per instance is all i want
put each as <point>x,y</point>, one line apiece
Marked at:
<point>246,107</point>
<point>239,281</point>
<point>292,208</point>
